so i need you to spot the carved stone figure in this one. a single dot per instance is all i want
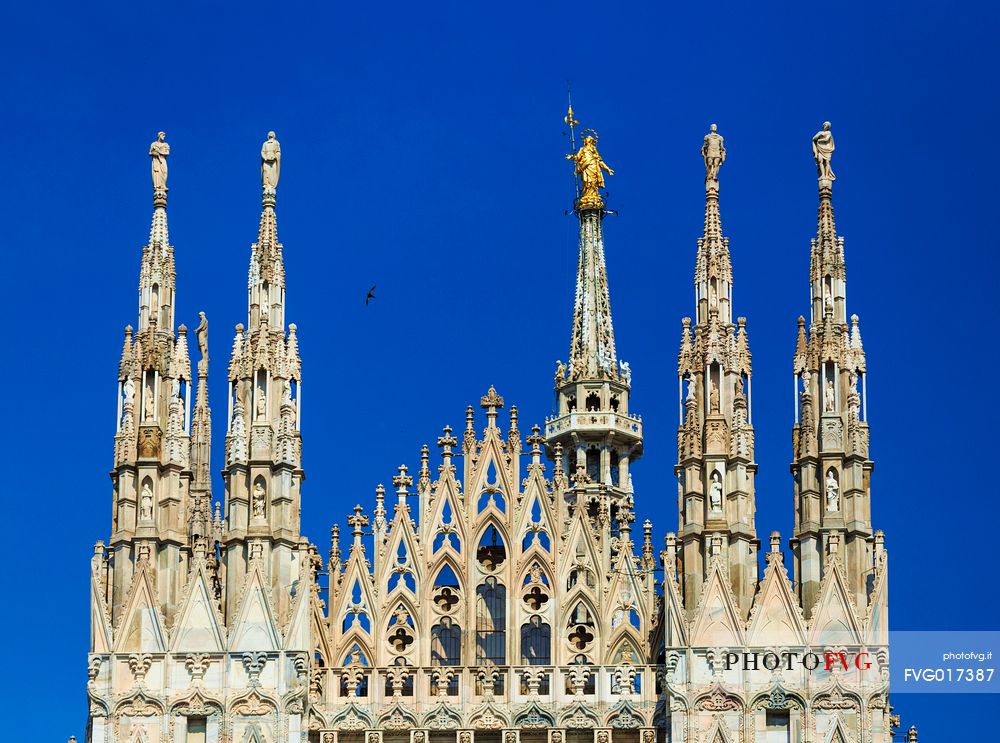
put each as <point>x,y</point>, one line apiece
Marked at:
<point>264,308</point>
<point>261,403</point>
<point>128,391</point>
<point>146,502</point>
<point>286,393</point>
<point>259,499</point>
<point>589,167</point>
<point>158,151</point>
<point>148,404</point>
<point>626,372</point>
<point>830,403</point>
<point>270,163</point>
<point>202,333</point>
<point>713,397</point>
<point>715,492</point>
<point>560,372</point>
<point>823,152</point>
<point>714,152</point>
<point>832,492</point>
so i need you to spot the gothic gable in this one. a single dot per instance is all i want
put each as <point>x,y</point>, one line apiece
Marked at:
<point>254,628</point>
<point>199,628</point>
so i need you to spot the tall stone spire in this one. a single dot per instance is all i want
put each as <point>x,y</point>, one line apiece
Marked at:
<point>597,434</point>
<point>152,477</point>
<point>715,463</point>
<point>830,437</point>
<point>263,472</point>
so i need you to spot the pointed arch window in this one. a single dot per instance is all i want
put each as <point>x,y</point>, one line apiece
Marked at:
<point>447,534</point>
<point>536,642</point>
<point>356,613</point>
<point>536,533</point>
<point>491,622</point>
<point>446,643</point>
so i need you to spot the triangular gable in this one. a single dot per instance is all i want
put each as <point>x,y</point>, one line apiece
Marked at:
<point>717,623</point>
<point>199,628</point>
<point>400,532</point>
<point>355,574</point>
<point>492,453</point>
<point>297,633</point>
<point>673,622</point>
<point>833,620</point>
<point>877,620</point>
<point>836,733</point>
<point>457,523</point>
<point>319,636</point>
<point>255,628</point>
<point>775,617</point>
<point>141,630</point>
<point>100,628</point>
<point>580,534</point>
<point>719,733</point>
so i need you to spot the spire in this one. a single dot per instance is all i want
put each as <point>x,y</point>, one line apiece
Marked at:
<point>592,346</point>
<point>715,439</point>
<point>599,449</point>
<point>713,274</point>
<point>830,437</point>
<point>156,274</point>
<point>267,269</point>
<point>201,420</point>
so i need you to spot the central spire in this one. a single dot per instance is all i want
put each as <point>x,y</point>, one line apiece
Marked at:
<point>592,346</point>
<point>593,433</point>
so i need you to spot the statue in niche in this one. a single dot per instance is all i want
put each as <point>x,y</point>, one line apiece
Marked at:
<point>259,499</point>
<point>264,309</point>
<point>261,403</point>
<point>146,503</point>
<point>831,397</point>
<point>128,392</point>
<point>832,492</point>
<point>158,151</point>
<point>589,167</point>
<point>270,163</point>
<point>828,306</point>
<point>854,383</point>
<point>713,397</point>
<point>713,296</point>
<point>202,333</point>
<point>626,372</point>
<point>148,404</point>
<point>286,393</point>
<point>715,492</point>
<point>823,152</point>
<point>714,152</point>
<point>806,378</point>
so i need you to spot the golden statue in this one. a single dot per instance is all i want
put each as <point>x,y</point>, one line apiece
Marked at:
<point>589,165</point>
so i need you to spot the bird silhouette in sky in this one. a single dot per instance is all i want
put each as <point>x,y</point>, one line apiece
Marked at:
<point>371,295</point>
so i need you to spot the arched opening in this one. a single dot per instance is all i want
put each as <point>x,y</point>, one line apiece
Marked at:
<point>447,594</point>
<point>446,643</point>
<point>615,464</point>
<point>593,402</point>
<point>491,622</point>
<point>536,642</point>
<point>491,553</point>
<point>594,465</point>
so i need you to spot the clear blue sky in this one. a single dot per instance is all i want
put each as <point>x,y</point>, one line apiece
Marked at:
<point>422,152</point>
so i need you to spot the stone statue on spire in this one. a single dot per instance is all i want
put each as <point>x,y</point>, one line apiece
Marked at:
<point>589,165</point>
<point>823,152</point>
<point>714,152</point>
<point>158,151</point>
<point>270,163</point>
<point>202,333</point>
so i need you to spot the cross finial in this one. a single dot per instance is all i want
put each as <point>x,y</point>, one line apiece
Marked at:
<point>446,442</point>
<point>402,480</point>
<point>357,522</point>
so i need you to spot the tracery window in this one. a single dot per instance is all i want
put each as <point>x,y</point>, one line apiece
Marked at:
<point>536,642</point>
<point>491,622</point>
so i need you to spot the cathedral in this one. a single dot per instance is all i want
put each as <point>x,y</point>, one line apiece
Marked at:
<point>500,591</point>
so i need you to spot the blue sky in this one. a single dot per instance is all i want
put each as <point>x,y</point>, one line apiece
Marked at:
<point>423,152</point>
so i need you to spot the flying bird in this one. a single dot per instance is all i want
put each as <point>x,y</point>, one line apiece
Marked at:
<point>371,296</point>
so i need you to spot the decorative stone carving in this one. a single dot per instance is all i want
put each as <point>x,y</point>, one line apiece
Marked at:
<point>713,151</point>
<point>270,163</point>
<point>823,146</point>
<point>259,500</point>
<point>158,152</point>
<point>146,503</point>
<point>832,492</point>
<point>715,491</point>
